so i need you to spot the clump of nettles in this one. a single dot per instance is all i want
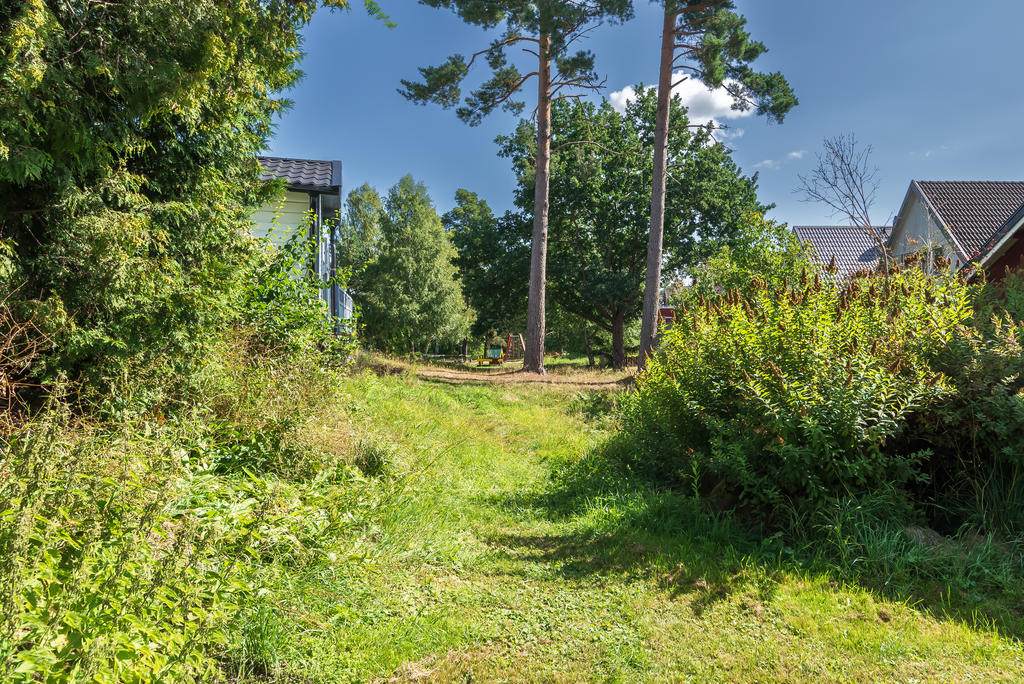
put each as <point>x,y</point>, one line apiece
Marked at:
<point>785,396</point>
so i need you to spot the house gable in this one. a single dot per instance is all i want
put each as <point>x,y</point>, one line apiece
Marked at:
<point>920,228</point>
<point>1005,251</point>
<point>311,201</point>
<point>961,218</point>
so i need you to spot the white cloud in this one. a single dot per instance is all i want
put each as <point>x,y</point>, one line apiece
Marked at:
<point>767,164</point>
<point>798,154</point>
<point>704,105</point>
<point>620,97</point>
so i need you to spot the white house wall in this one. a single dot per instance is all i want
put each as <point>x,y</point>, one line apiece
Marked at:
<point>280,220</point>
<point>917,229</point>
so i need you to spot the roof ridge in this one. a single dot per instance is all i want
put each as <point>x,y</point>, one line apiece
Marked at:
<point>977,182</point>
<point>297,159</point>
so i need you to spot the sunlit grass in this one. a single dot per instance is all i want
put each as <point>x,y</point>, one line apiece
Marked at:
<point>474,564</point>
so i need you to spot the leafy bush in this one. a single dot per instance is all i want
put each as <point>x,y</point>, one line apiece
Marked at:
<point>135,551</point>
<point>762,251</point>
<point>785,399</point>
<point>281,305</point>
<point>976,436</point>
<point>101,580</point>
<point>131,233</point>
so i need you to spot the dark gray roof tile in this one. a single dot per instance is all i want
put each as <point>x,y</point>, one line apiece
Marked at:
<point>852,248</point>
<point>974,211</point>
<point>311,173</point>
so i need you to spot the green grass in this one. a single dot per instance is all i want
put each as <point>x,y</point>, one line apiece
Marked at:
<point>499,548</point>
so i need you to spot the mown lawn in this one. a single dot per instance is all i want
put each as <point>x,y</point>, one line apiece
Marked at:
<point>475,564</point>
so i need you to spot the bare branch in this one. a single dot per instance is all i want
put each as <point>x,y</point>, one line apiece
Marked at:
<point>845,181</point>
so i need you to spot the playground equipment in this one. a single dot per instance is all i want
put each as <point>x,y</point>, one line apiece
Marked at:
<point>495,355</point>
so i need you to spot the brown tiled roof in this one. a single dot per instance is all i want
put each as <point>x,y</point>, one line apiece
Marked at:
<point>305,173</point>
<point>853,248</point>
<point>973,211</point>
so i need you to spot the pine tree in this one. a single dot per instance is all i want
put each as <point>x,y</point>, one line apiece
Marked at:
<point>549,28</point>
<point>715,48</point>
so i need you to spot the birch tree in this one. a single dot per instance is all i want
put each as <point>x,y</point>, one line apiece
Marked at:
<point>548,30</point>
<point>708,41</point>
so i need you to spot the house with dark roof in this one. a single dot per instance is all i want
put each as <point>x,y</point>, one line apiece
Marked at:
<point>850,248</point>
<point>967,222</point>
<point>971,224</point>
<point>311,200</point>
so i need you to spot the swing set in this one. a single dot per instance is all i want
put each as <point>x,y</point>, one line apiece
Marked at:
<point>496,354</point>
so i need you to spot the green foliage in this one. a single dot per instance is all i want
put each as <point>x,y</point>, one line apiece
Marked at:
<point>411,292</point>
<point>282,306</point>
<point>524,20</point>
<point>493,259</point>
<point>104,577</point>
<point>359,234</point>
<point>760,251</point>
<point>133,551</point>
<point>374,458</point>
<point>783,399</point>
<point>600,205</point>
<point>721,51</point>
<point>976,436</point>
<point>128,133</point>
<point>260,638</point>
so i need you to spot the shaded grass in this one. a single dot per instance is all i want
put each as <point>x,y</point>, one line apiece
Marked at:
<point>500,546</point>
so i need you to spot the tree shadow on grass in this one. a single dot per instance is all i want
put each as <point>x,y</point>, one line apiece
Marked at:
<point>611,522</point>
<point>612,525</point>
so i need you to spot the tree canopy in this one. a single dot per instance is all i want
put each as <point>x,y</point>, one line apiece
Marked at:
<point>128,137</point>
<point>411,293</point>
<point>549,28</point>
<point>712,42</point>
<point>493,258</point>
<point>600,191</point>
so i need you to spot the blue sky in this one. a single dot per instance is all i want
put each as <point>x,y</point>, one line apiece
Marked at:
<point>934,85</point>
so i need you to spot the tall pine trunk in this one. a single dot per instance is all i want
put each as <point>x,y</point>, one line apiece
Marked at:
<point>652,286</point>
<point>533,359</point>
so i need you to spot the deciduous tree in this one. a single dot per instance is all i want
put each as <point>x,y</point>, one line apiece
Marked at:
<point>845,181</point>
<point>359,235</point>
<point>600,196</point>
<point>493,259</point>
<point>411,292</point>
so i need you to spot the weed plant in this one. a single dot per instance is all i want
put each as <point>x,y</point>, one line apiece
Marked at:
<point>783,401</point>
<point>136,532</point>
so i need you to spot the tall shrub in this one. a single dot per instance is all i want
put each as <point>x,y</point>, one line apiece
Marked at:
<point>128,132</point>
<point>786,397</point>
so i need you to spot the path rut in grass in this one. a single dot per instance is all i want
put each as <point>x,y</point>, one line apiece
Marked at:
<point>477,566</point>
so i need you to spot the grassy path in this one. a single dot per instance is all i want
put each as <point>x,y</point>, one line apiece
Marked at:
<point>475,566</point>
